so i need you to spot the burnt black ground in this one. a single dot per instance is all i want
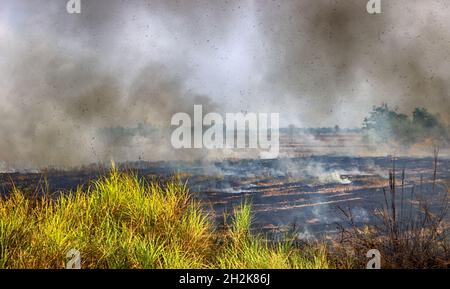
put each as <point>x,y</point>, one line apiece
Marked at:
<point>305,191</point>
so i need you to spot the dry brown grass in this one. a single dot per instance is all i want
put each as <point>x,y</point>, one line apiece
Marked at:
<point>412,236</point>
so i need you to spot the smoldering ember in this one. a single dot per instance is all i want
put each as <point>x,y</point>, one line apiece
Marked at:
<point>243,130</point>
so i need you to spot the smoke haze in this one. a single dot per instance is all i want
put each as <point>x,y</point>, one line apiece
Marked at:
<point>120,63</point>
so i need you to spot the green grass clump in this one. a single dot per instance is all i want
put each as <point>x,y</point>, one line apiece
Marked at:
<point>244,250</point>
<point>123,221</point>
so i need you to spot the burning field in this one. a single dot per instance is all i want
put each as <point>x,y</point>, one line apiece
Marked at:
<point>344,205</point>
<point>307,192</point>
<point>224,134</point>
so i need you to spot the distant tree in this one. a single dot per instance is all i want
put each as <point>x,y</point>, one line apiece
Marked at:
<point>388,124</point>
<point>337,129</point>
<point>422,118</point>
<point>429,126</point>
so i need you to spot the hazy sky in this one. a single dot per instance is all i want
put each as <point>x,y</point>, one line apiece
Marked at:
<point>316,62</point>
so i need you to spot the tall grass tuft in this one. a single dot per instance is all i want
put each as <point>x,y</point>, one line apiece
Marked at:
<point>119,222</point>
<point>243,250</point>
<point>123,221</point>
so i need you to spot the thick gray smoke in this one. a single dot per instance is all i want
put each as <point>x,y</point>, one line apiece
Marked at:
<point>334,60</point>
<point>64,78</point>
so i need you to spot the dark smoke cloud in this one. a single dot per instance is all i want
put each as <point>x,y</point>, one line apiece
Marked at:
<point>337,60</point>
<point>62,84</point>
<point>56,108</point>
<point>119,63</point>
